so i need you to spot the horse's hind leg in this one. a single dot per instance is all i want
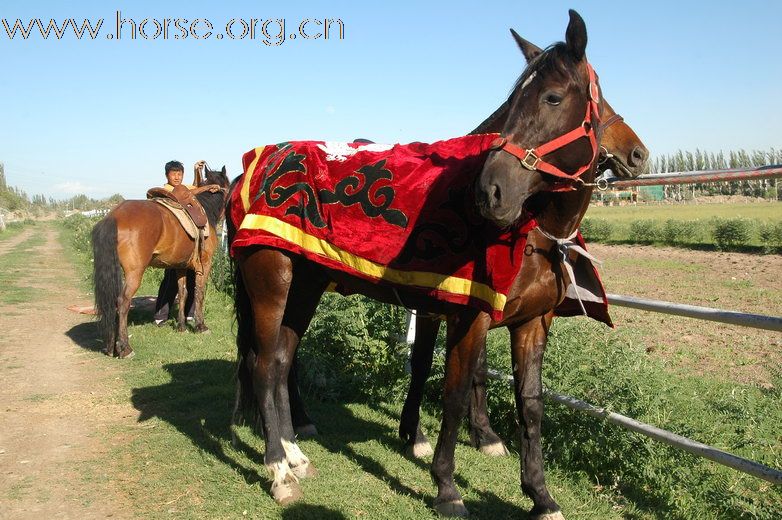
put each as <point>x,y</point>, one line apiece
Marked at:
<point>482,436</point>
<point>528,342</point>
<point>132,281</point>
<point>200,294</point>
<point>416,443</point>
<point>280,315</point>
<point>308,285</point>
<point>181,281</point>
<point>267,277</point>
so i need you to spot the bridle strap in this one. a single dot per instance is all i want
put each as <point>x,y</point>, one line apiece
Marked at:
<point>532,158</point>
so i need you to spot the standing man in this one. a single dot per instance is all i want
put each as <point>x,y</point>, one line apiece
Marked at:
<point>175,173</point>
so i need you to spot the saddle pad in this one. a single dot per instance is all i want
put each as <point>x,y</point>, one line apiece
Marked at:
<point>182,216</point>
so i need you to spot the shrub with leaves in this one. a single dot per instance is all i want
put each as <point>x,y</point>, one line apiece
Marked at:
<point>354,348</point>
<point>644,231</point>
<point>596,230</point>
<point>732,233</point>
<point>771,237</point>
<point>678,231</point>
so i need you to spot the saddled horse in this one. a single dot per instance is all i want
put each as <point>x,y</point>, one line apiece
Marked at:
<point>548,142</point>
<point>142,233</point>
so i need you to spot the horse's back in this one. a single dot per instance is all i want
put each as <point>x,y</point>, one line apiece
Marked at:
<point>149,234</point>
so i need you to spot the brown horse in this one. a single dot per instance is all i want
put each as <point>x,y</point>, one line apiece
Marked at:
<point>141,233</point>
<point>624,153</point>
<point>552,111</point>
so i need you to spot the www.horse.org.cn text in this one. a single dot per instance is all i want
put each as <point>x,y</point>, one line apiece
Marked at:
<point>271,32</point>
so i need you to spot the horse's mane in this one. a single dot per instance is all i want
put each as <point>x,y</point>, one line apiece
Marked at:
<point>551,57</point>
<point>213,203</point>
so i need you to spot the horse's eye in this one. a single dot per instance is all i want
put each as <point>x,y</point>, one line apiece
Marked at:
<point>553,99</point>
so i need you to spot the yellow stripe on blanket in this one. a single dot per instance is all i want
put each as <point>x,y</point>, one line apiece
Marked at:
<point>451,284</point>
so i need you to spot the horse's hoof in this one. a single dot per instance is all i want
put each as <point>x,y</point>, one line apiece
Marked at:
<point>556,515</point>
<point>126,354</point>
<point>452,509</point>
<point>305,471</point>
<point>287,493</point>
<point>495,449</point>
<point>203,330</point>
<point>181,329</point>
<point>419,450</point>
<point>306,432</point>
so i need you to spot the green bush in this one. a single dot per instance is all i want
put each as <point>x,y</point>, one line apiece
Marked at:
<point>732,233</point>
<point>354,348</point>
<point>678,231</point>
<point>221,275</point>
<point>771,236</point>
<point>644,231</point>
<point>596,230</point>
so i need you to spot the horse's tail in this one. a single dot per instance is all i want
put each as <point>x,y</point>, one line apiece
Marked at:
<point>107,277</point>
<point>245,406</point>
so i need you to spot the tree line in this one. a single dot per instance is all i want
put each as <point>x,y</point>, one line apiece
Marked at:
<point>16,200</point>
<point>684,161</point>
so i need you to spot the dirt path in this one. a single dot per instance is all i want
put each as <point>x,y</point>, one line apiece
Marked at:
<point>55,399</point>
<point>11,243</point>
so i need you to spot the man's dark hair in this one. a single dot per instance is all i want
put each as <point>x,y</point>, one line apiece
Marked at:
<point>174,165</point>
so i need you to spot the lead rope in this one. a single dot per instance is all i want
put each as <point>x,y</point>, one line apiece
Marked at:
<point>564,246</point>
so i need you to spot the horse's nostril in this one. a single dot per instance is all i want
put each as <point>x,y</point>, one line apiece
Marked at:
<point>638,156</point>
<point>494,196</point>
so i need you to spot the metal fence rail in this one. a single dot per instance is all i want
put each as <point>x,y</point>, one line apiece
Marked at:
<point>696,448</point>
<point>736,174</point>
<point>756,321</point>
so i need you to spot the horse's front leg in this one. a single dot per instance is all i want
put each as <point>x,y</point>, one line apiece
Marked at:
<point>482,436</point>
<point>122,348</point>
<point>181,281</point>
<point>416,443</point>
<point>466,336</point>
<point>528,343</point>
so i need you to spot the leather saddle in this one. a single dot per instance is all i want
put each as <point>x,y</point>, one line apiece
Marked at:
<point>186,199</point>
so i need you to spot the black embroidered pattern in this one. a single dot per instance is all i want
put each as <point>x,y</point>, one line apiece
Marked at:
<point>351,190</point>
<point>450,235</point>
<point>276,196</point>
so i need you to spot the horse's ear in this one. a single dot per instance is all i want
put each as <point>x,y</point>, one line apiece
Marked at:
<point>576,36</point>
<point>223,170</point>
<point>530,50</point>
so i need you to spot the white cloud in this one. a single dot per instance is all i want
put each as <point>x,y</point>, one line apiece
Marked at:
<point>331,110</point>
<point>75,188</point>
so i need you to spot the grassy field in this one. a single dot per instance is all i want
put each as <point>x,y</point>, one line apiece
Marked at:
<point>178,460</point>
<point>751,227</point>
<point>763,211</point>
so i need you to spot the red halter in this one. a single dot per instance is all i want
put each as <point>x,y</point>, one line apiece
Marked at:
<point>531,158</point>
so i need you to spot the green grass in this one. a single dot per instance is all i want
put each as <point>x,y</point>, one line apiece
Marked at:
<point>16,271</point>
<point>178,460</point>
<point>764,211</point>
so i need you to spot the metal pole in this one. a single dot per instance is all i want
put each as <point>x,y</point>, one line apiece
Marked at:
<point>763,172</point>
<point>757,321</point>
<point>697,448</point>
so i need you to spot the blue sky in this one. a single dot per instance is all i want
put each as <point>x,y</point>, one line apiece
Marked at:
<point>103,116</point>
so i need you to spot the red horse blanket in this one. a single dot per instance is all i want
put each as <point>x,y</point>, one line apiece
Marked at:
<point>401,215</point>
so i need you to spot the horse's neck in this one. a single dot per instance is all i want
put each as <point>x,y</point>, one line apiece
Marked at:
<point>495,122</point>
<point>563,213</point>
